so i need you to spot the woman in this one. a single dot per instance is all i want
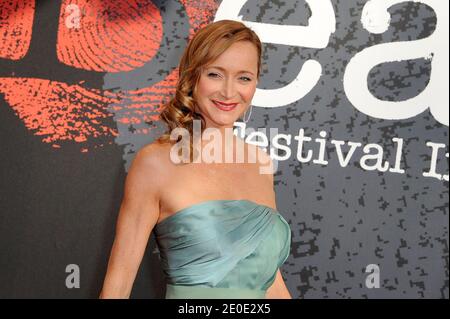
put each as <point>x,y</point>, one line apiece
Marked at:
<point>215,224</point>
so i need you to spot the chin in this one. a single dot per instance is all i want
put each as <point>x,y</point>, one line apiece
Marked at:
<point>226,121</point>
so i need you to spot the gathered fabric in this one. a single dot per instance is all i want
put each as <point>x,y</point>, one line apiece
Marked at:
<point>222,249</point>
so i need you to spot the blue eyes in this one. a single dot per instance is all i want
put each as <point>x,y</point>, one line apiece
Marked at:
<point>215,75</point>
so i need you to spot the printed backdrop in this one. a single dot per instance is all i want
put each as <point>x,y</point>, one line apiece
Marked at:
<point>352,105</point>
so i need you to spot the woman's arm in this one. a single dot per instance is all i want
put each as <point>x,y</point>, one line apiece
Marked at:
<point>278,290</point>
<point>139,212</point>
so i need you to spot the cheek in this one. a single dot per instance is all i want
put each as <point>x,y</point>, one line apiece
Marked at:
<point>248,92</point>
<point>205,88</point>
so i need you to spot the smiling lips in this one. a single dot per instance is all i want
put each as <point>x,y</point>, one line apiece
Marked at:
<point>225,106</point>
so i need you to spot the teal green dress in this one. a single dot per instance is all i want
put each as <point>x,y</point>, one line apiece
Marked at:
<point>222,249</point>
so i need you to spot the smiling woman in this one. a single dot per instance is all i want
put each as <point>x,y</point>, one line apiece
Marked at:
<point>216,225</point>
<point>218,75</point>
<point>225,89</point>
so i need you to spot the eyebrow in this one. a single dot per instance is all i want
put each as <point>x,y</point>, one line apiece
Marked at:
<point>222,69</point>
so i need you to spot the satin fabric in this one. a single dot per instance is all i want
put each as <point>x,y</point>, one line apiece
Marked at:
<point>222,249</point>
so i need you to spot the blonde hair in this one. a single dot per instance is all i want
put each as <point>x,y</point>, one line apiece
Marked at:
<point>205,47</point>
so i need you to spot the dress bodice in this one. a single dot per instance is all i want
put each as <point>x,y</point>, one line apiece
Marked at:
<point>233,246</point>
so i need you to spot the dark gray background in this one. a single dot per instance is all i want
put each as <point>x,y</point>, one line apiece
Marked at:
<point>59,207</point>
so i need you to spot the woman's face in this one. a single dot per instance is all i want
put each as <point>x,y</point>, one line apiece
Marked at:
<point>227,85</point>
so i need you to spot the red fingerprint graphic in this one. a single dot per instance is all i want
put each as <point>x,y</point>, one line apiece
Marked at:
<point>16,22</point>
<point>108,36</point>
<point>57,111</point>
<point>144,105</point>
<point>99,36</point>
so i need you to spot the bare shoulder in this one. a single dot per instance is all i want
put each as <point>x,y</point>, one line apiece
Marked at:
<point>265,163</point>
<point>149,169</point>
<point>256,154</point>
<point>155,154</point>
<point>264,166</point>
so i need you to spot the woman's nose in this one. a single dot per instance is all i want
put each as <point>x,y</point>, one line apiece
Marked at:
<point>228,89</point>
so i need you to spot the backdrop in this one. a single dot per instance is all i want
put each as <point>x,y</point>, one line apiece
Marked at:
<point>352,105</point>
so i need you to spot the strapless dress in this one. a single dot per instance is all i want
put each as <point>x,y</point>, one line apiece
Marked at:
<point>222,249</point>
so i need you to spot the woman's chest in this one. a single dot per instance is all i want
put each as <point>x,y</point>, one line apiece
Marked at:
<point>194,183</point>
